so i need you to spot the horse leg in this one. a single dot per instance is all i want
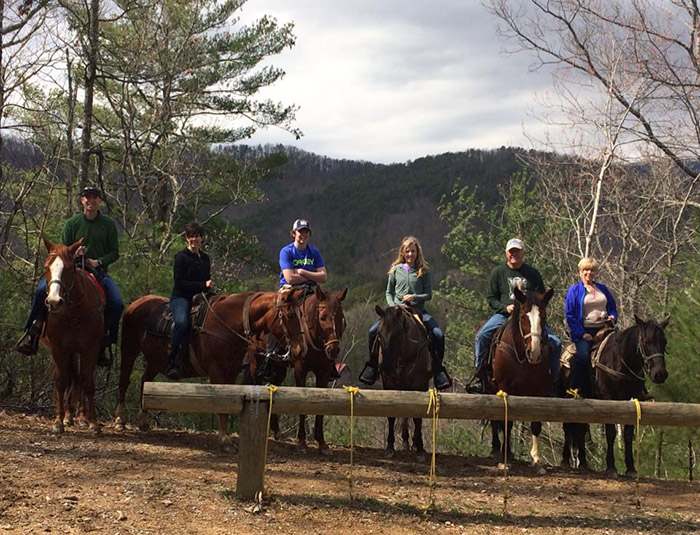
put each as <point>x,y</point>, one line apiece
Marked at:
<point>148,375</point>
<point>610,432</point>
<point>505,450</point>
<point>62,383</point>
<point>568,439</point>
<point>418,439</point>
<point>496,451</point>
<point>580,437</point>
<point>404,434</point>
<point>129,352</point>
<point>536,428</point>
<point>628,434</point>
<point>321,382</point>
<point>300,380</point>
<point>87,385</point>
<point>389,451</point>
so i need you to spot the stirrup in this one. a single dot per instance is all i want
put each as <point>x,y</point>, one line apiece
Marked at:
<point>442,380</point>
<point>28,344</point>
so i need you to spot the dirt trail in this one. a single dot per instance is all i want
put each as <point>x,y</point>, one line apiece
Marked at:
<point>166,481</point>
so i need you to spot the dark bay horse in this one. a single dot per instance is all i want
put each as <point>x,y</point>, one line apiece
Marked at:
<point>74,326</point>
<point>217,349</point>
<point>521,363</point>
<point>620,371</point>
<point>323,323</point>
<point>404,363</point>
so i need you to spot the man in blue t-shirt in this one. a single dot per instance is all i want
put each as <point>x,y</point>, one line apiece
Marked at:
<point>301,264</point>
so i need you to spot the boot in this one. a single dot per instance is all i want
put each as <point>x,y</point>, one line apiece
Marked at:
<point>334,372</point>
<point>369,372</point>
<point>478,384</point>
<point>441,380</point>
<point>29,343</point>
<point>173,371</point>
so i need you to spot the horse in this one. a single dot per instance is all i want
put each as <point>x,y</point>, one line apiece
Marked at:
<point>521,363</point>
<point>619,374</point>
<point>404,364</point>
<point>74,325</point>
<point>216,349</point>
<point>323,323</point>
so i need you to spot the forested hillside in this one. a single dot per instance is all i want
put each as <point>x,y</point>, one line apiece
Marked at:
<point>360,211</point>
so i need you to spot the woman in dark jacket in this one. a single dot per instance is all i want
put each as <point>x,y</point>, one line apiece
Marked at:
<point>191,275</point>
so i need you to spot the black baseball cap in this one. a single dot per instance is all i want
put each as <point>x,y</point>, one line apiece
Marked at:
<point>91,190</point>
<point>300,224</point>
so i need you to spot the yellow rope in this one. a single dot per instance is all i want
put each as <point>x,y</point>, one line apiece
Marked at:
<point>352,390</point>
<point>272,389</point>
<point>506,490</point>
<point>636,454</point>
<point>573,392</point>
<point>434,404</point>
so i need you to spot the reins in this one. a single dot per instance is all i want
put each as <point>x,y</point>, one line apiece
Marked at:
<point>640,376</point>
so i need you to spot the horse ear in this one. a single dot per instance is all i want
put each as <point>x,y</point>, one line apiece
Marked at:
<point>341,295</point>
<point>664,322</point>
<point>380,311</point>
<point>639,321</point>
<point>520,296</point>
<point>47,244</point>
<point>548,295</point>
<point>74,247</point>
<point>320,294</point>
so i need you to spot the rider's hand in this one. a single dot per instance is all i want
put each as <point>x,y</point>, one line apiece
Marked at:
<point>92,262</point>
<point>588,337</point>
<point>80,251</point>
<point>510,308</point>
<point>209,284</point>
<point>407,298</point>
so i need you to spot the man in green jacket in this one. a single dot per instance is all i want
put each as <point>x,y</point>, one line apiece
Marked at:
<point>100,248</point>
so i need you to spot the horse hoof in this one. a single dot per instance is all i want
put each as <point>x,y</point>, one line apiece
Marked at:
<point>228,447</point>
<point>540,470</point>
<point>326,452</point>
<point>68,422</point>
<point>502,466</point>
<point>420,457</point>
<point>631,473</point>
<point>58,428</point>
<point>144,427</point>
<point>496,454</point>
<point>389,454</point>
<point>95,430</point>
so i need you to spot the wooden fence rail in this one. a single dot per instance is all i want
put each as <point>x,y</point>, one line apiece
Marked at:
<point>252,403</point>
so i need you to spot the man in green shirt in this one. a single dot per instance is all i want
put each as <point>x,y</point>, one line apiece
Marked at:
<point>100,248</point>
<point>503,280</point>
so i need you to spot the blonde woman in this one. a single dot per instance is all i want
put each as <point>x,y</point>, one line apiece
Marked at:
<point>409,284</point>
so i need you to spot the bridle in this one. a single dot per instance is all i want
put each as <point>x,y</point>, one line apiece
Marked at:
<point>281,315</point>
<point>65,289</point>
<point>317,323</point>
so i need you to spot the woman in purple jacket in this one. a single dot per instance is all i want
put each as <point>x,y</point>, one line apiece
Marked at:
<point>589,307</point>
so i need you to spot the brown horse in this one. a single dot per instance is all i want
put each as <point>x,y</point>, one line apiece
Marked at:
<point>404,364</point>
<point>323,323</point>
<point>521,362</point>
<point>74,325</point>
<point>217,349</point>
<point>620,370</point>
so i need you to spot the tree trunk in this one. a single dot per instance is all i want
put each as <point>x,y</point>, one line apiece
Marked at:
<point>70,147</point>
<point>90,75</point>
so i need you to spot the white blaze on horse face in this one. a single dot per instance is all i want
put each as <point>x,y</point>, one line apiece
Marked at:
<point>56,270</point>
<point>535,330</point>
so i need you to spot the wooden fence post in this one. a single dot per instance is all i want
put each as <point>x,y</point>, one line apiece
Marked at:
<point>251,448</point>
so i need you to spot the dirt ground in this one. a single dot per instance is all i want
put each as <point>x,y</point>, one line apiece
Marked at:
<point>166,481</point>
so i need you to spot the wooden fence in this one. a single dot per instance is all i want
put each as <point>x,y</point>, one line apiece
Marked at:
<point>252,404</point>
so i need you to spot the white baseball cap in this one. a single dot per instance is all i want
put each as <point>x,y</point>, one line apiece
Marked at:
<point>300,224</point>
<point>515,243</point>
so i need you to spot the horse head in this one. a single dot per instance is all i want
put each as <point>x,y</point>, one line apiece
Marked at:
<point>60,273</point>
<point>530,319</point>
<point>392,329</point>
<point>329,322</point>
<point>651,343</point>
<point>286,310</point>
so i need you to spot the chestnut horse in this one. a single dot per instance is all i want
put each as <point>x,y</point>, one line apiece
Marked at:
<point>323,323</point>
<point>74,325</point>
<point>217,349</point>
<point>620,371</point>
<point>404,364</point>
<point>521,363</point>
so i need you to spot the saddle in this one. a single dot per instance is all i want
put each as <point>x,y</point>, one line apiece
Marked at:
<point>160,322</point>
<point>599,341</point>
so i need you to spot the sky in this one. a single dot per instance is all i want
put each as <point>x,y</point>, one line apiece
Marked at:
<point>393,80</point>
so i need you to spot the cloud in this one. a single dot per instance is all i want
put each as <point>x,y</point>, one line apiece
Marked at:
<point>396,80</point>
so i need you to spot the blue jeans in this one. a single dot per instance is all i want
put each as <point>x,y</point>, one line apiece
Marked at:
<point>180,307</point>
<point>38,304</point>
<point>580,371</point>
<point>115,305</point>
<point>488,329</point>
